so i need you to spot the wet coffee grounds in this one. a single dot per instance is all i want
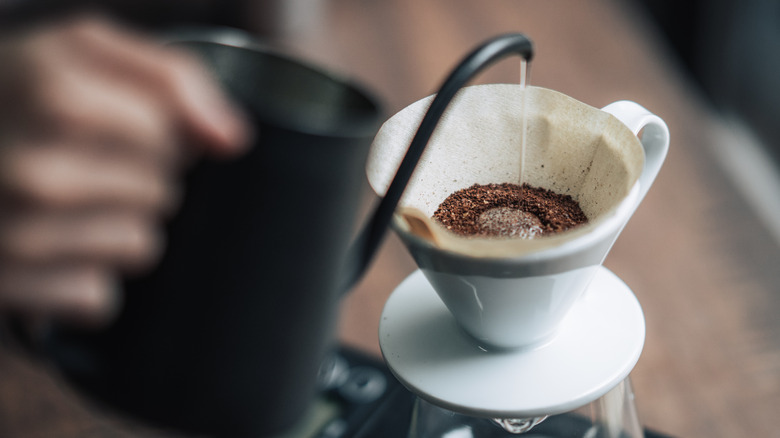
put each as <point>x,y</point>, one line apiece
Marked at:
<point>508,210</point>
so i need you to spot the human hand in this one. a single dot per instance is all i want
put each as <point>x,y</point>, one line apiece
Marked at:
<point>95,122</point>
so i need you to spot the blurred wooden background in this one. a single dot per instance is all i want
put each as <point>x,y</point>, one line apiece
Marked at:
<point>703,266</point>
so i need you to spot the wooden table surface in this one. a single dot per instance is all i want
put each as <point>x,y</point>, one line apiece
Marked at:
<point>704,268</point>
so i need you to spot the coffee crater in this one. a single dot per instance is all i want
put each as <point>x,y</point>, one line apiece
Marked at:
<point>509,210</point>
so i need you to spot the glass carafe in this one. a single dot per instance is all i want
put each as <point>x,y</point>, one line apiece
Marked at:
<point>613,415</point>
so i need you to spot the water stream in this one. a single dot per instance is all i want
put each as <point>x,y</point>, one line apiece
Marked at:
<point>524,121</point>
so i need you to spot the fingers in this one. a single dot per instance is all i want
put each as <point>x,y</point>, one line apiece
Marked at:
<point>217,124</point>
<point>75,101</point>
<point>101,112</point>
<point>94,124</point>
<point>117,239</point>
<point>70,176</point>
<point>188,96</point>
<point>66,205</point>
<point>80,293</point>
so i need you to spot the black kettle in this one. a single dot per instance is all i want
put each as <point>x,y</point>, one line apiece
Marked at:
<point>225,336</point>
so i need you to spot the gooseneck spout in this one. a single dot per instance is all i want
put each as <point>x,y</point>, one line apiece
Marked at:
<point>367,242</point>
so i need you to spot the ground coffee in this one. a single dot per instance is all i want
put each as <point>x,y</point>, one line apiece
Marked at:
<point>508,210</point>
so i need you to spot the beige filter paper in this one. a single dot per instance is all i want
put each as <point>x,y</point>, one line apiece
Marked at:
<point>571,148</point>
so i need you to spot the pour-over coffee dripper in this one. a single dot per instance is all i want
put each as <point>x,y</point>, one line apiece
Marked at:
<point>509,330</point>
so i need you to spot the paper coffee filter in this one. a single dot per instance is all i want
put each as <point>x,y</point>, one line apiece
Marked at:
<point>571,148</point>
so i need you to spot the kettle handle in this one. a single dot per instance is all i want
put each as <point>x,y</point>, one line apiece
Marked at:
<point>367,242</point>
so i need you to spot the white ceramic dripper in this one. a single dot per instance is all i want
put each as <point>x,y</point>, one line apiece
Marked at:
<point>540,328</point>
<point>511,293</point>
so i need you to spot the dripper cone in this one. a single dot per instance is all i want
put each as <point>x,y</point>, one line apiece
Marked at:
<point>571,148</point>
<point>508,292</point>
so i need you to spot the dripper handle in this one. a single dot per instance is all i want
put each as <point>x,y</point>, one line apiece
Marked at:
<point>654,139</point>
<point>367,242</point>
